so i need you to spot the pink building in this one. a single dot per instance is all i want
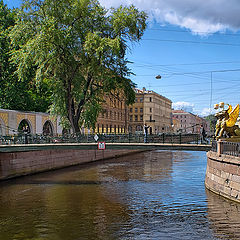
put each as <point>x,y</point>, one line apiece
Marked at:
<point>189,122</point>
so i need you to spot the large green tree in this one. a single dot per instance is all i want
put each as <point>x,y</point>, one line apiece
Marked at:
<point>79,48</point>
<point>212,121</point>
<point>18,94</point>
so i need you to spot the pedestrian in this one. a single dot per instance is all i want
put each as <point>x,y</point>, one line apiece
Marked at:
<point>25,132</point>
<point>202,134</point>
<point>145,127</point>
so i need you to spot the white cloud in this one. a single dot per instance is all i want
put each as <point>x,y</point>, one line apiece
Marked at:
<point>190,107</point>
<point>185,106</point>
<point>205,112</point>
<point>197,15</point>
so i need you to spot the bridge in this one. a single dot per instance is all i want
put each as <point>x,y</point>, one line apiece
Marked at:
<point>23,159</point>
<point>109,146</point>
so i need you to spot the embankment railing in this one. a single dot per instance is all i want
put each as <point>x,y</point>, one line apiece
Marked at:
<point>228,148</point>
<point>180,138</point>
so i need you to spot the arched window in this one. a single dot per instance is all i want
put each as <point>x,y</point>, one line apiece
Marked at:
<point>48,128</point>
<point>2,128</point>
<point>24,126</point>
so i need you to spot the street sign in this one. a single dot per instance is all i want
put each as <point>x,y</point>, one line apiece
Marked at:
<point>96,137</point>
<point>101,145</point>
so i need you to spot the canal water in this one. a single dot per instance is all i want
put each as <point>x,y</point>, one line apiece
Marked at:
<point>152,195</point>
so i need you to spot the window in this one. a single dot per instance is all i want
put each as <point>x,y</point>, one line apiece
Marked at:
<point>141,99</point>
<point>141,117</point>
<point>136,118</point>
<point>150,109</point>
<point>106,114</point>
<point>141,110</point>
<point>130,118</point>
<point>150,99</point>
<point>136,110</point>
<point>130,110</point>
<point>150,118</point>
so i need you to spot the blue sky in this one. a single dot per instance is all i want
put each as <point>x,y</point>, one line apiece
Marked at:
<point>190,44</point>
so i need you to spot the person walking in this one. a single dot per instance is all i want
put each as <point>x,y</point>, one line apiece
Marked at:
<point>145,127</point>
<point>202,134</point>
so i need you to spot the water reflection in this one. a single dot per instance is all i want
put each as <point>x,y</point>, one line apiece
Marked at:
<point>224,216</point>
<point>155,195</point>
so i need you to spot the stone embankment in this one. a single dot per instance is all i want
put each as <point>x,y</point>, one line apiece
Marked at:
<point>19,160</point>
<point>223,175</point>
<point>23,160</point>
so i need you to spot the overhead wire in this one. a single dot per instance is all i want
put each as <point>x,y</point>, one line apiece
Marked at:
<point>191,42</point>
<point>198,32</point>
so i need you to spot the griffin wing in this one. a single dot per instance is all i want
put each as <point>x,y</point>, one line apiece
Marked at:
<point>229,109</point>
<point>233,115</point>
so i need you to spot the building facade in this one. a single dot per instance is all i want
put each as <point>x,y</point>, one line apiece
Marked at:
<point>188,122</point>
<point>114,117</point>
<point>14,122</point>
<point>152,109</point>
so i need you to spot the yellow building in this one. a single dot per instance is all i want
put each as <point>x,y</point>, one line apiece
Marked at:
<point>152,109</point>
<point>114,117</point>
<point>176,125</point>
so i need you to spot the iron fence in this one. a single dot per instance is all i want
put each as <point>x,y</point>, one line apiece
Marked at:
<point>231,148</point>
<point>108,138</point>
<point>214,146</point>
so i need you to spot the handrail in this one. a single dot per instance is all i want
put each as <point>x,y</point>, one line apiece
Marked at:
<point>179,138</point>
<point>227,148</point>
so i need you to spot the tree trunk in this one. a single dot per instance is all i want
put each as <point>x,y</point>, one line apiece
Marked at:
<point>75,126</point>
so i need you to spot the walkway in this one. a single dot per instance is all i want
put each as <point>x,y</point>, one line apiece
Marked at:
<point>88,146</point>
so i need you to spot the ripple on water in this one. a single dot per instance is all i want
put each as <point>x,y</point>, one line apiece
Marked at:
<point>152,195</point>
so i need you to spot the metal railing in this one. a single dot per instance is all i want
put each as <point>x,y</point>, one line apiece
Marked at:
<point>228,148</point>
<point>214,146</point>
<point>179,138</point>
<point>231,148</point>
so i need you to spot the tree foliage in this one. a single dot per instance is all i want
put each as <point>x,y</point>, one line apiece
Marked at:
<point>212,120</point>
<point>14,93</point>
<point>79,48</point>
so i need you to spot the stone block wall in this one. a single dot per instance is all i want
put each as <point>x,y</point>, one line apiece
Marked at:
<point>223,175</point>
<point>13,164</point>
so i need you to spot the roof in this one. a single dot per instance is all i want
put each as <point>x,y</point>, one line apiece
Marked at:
<point>144,91</point>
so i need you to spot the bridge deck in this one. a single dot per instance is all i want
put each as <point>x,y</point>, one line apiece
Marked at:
<point>87,146</point>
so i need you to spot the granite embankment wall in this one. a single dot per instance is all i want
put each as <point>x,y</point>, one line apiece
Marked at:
<point>223,175</point>
<point>14,163</point>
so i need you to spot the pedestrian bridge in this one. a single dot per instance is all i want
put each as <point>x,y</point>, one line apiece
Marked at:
<point>109,146</point>
<point>23,159</point>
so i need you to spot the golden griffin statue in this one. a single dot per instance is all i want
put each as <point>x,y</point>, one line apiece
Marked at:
<point>226,120</point>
